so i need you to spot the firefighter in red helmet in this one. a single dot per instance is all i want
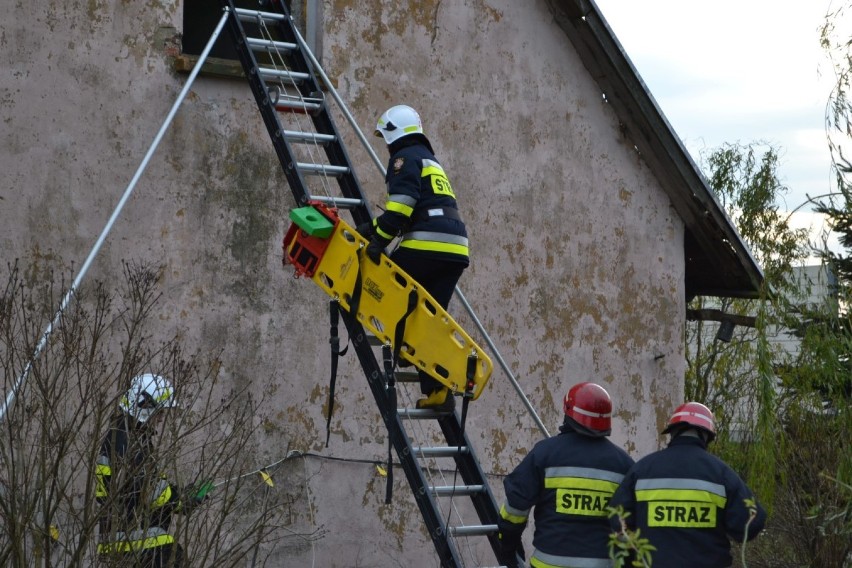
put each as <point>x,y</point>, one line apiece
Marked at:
<point>568,479</point>
<point>686,501</point>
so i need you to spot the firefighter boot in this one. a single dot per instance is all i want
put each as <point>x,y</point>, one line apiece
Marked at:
<point>440,400</point>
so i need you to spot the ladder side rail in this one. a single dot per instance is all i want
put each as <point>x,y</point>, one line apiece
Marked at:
<point>270,117</point>
<point>426,502</point>
<point>335,151</point>
<point>472,474</point>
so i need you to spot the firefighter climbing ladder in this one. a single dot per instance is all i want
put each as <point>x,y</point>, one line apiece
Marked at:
<point>282,74</point>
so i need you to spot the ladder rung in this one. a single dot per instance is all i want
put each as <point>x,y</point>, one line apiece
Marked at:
<point>308,137</point>
<point>283,101</point>
<point>448,490</point>
<point>321,169</point>
<point>439,452</point>
<point>253,15</point>
<point>269,45</point>
<point>473,530</point>
<point>303,105</point>
<point>421,413</point>
<point>293,77</point>
<point>341,202</point>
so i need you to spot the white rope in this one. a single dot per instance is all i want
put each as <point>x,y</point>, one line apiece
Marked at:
<point>314,150</point>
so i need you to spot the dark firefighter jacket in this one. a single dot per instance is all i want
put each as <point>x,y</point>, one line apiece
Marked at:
<point>569,479</point>
<point>136,502</point>
<point>687,502</point>
<point>421,205</point>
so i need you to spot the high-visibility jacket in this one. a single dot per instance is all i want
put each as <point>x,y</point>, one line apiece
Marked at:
<point>136,503</point>
<point>568,479</point>
<point>421,205</point>
<point>687,502</point>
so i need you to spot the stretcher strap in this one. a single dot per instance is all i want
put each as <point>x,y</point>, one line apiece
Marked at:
<point>355,298</point>
<point>334,340</point>
<point>399,331</point>
<point>390,381</point>
<point>468,393</point>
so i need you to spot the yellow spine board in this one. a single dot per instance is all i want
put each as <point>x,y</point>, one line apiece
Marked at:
<point>433,341</point>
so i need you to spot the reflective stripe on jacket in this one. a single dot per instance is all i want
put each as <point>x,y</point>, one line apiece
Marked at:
<point>543,560</point>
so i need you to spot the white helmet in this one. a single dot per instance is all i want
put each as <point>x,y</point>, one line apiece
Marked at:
<point>146,395</point>
<point>398,121</point>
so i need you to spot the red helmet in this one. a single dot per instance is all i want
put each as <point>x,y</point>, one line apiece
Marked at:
<point>589,405</point>
<point>693,414</point>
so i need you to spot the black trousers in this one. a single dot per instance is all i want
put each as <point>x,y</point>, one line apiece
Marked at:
<point>168,556</point>
<point>439,278</point>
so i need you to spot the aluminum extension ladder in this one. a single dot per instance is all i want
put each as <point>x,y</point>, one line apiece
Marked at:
<point>283,76</point>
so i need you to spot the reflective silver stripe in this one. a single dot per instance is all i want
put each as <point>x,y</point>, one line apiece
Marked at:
<point>702,417</point>
<point>579,410</point>
<point>427,163</point>
<point>103,460</point>
<point>403,199</point>
<point>672,483</point>
<point>435,237</point>
<point>570,561</point>
<point>516,512</point>
<point>147,533</point>
<point>587,472</point>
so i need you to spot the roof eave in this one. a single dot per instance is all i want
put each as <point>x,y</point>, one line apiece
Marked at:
<point>658,145</point>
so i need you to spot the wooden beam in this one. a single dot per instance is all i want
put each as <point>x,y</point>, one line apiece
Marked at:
<point>720,316</point>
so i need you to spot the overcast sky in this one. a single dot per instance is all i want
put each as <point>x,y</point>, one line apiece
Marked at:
<point>737,71</point>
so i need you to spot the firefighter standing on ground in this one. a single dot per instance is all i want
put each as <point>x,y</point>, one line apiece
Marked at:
<point>136,503</point>
<point>421,207</point>
<point>686,501</point>
<point>569,479</point>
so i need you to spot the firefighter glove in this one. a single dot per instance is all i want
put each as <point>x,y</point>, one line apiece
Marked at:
<point>376,248</point>
<point>512,548</point>
<point>365,229</point>
<point>202,491</point>
<point>193,496</point>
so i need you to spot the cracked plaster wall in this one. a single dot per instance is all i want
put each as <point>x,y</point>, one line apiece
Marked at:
<point>577,270</point>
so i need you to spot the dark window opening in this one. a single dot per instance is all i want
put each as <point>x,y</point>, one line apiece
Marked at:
<point>199,20</point>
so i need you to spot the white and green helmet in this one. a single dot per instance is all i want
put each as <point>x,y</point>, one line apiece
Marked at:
<point>398,121</point>
<point>147,394</point>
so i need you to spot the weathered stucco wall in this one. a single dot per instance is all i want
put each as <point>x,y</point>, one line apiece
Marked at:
<point>577,269</point>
